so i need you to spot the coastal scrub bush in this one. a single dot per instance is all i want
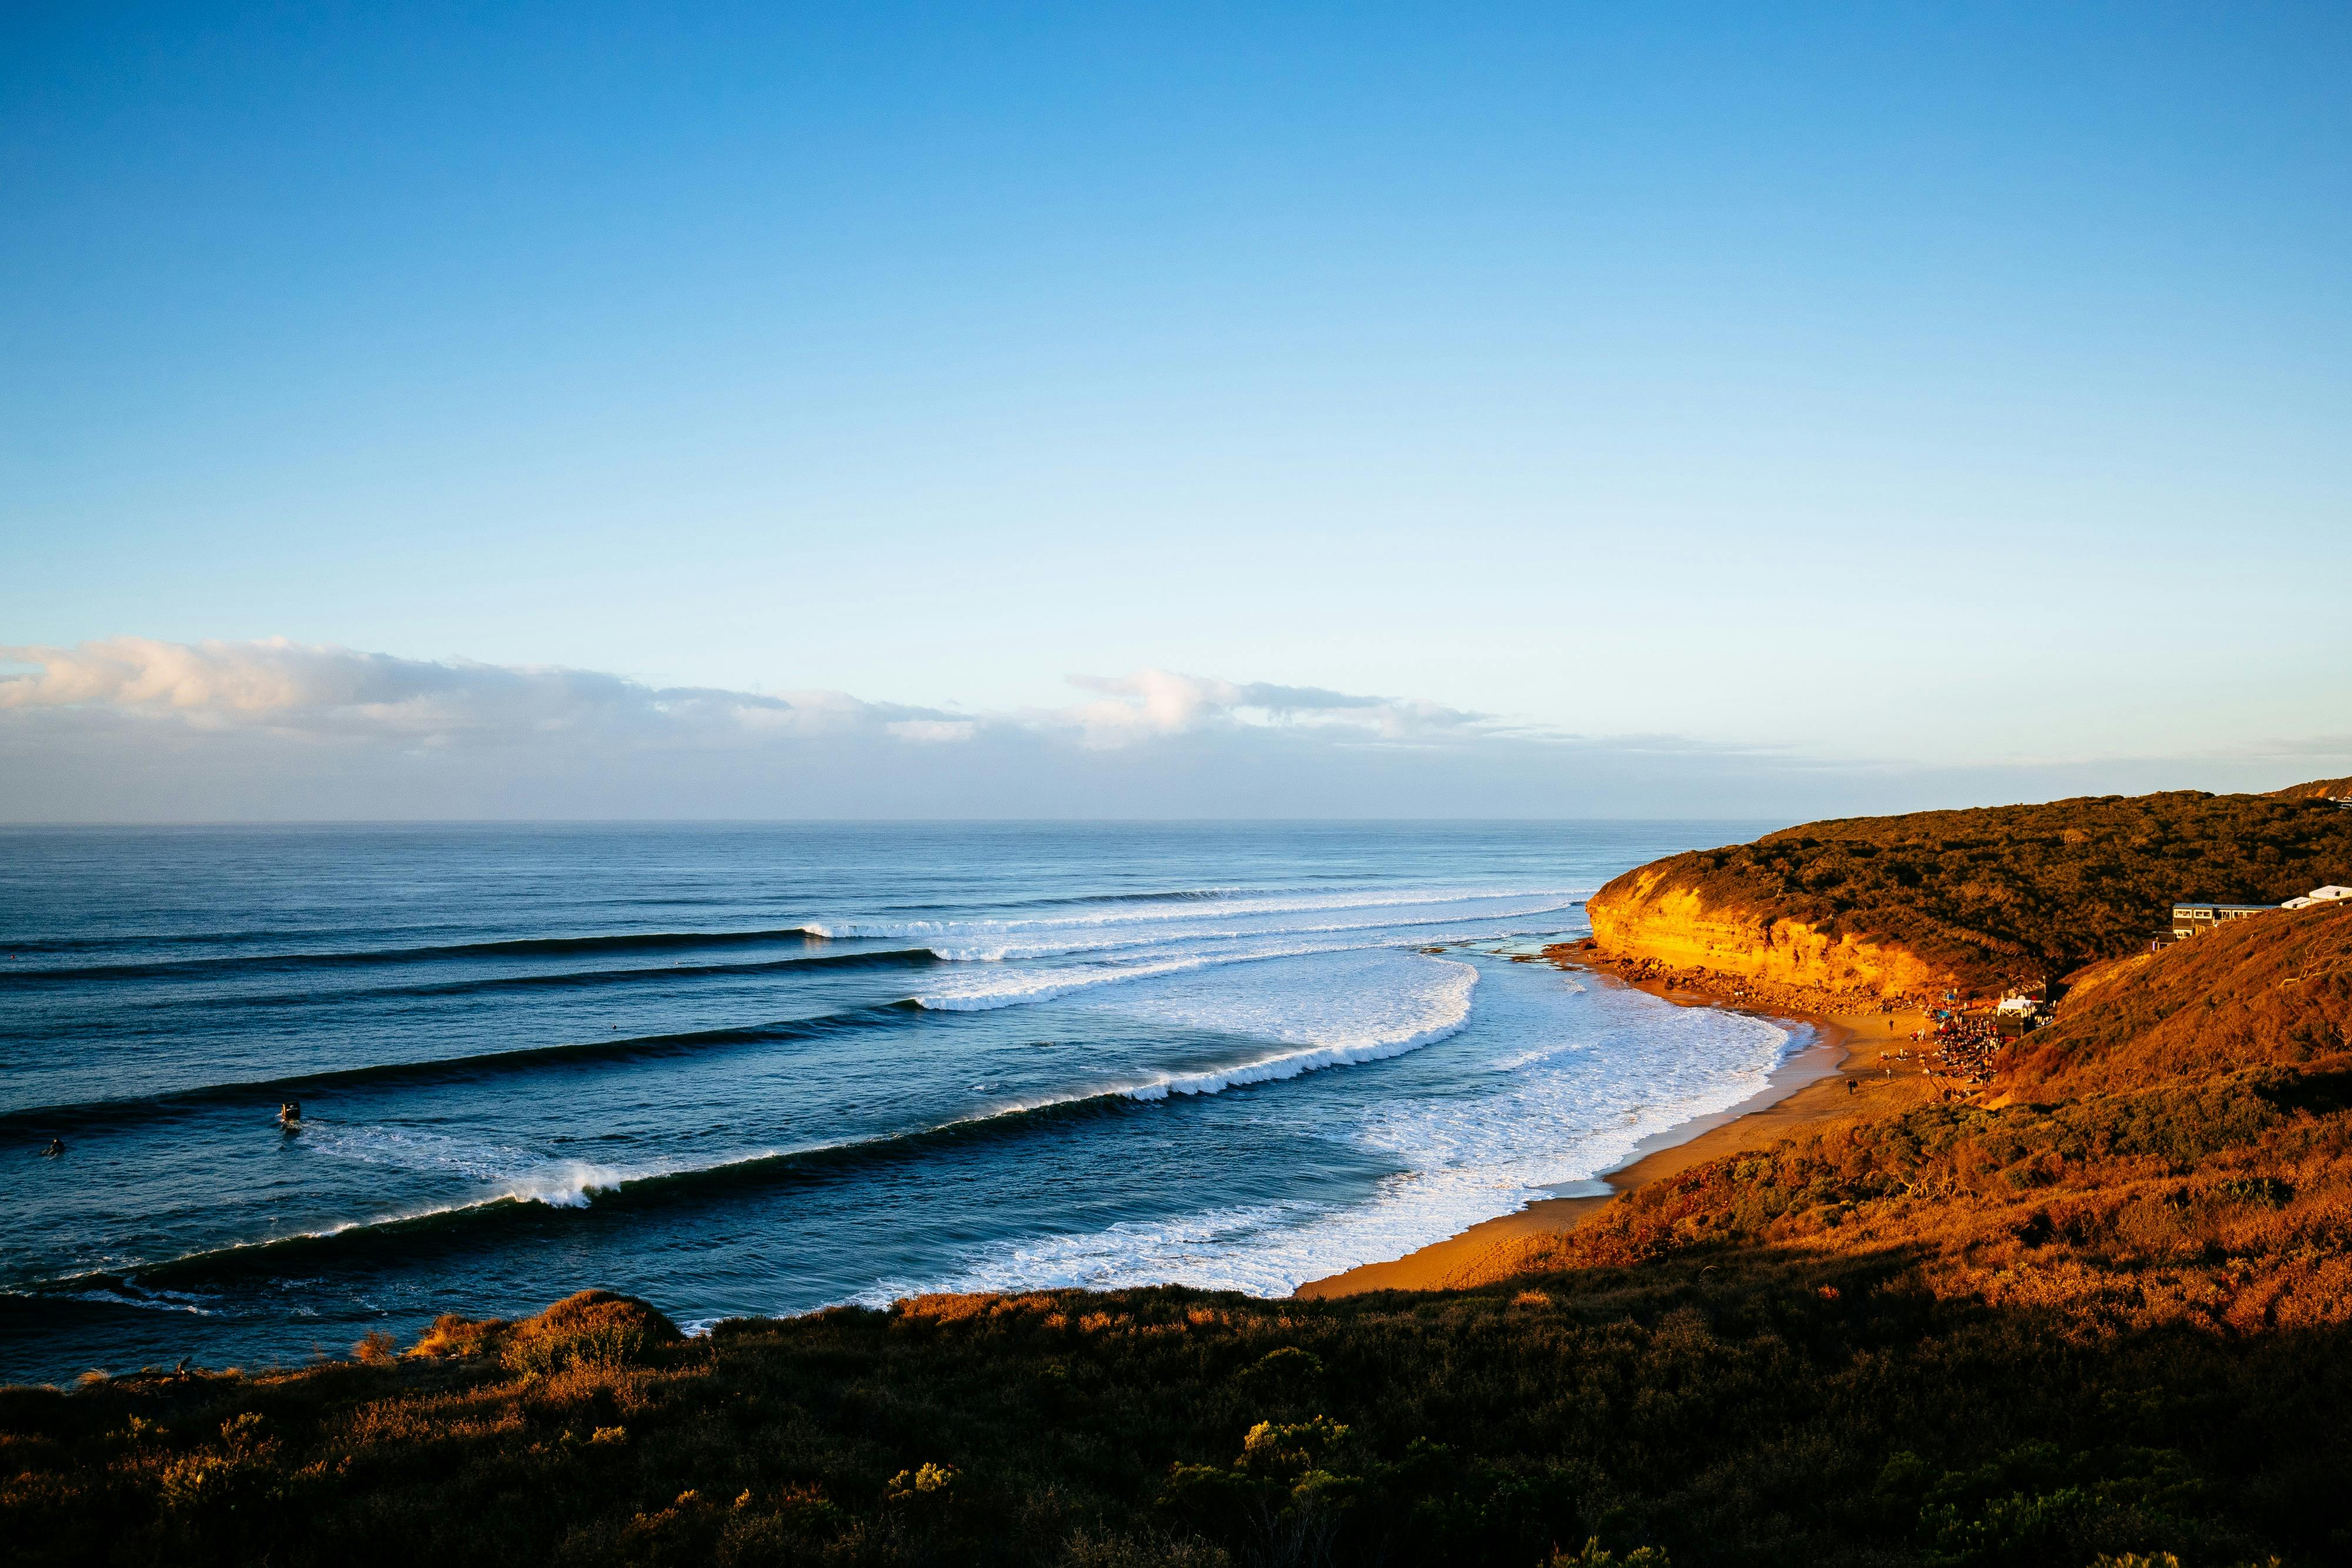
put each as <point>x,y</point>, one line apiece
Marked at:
<point>930,1481</point>
<point>460,1337</point>
<point>1090,1550</point>
<point>1593,1556</point>
<point>594,1329</point>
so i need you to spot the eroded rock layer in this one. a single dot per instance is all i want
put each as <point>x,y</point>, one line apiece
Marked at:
<point>1636,917</point>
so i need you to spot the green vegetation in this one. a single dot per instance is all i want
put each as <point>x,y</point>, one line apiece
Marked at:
<point>2023,893</point>
<point>2103,1317</point>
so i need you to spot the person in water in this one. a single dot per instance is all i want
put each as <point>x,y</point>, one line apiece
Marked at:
<point>57,1147</point>
<point>289,1114</point>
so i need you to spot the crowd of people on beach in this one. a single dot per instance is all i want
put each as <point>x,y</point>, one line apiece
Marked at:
<point>1958,1046</point>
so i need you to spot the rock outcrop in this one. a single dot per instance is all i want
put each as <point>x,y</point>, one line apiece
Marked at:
<point>1645,914</point>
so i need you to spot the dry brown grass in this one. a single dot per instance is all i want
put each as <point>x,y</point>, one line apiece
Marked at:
<point>2175,1149</point>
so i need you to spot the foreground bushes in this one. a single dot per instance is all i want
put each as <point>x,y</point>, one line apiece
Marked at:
<point>1727,1404</point>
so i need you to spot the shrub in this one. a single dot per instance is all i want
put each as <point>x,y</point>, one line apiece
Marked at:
<point>1592,1556</point>
<point>596,1329</point>
<point>460,1337</point>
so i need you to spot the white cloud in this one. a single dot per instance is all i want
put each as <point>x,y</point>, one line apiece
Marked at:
<point>133,729</point>
<point>136,727</point>
<point>1162,702</point>
<point>296,688</point>
<point>933,731</point>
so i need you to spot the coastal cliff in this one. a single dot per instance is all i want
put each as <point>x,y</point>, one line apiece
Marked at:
<point>1971,900</point>
<point>1646,914</point>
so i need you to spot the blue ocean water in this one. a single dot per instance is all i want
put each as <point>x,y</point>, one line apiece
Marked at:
<point>754,1069</point>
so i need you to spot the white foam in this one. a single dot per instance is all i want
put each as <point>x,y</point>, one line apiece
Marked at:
<point>1150,914</point>
<point>1443,1008</point>
<point>527,1175</point>
<point>570,1184</point>
<point>1017,988</point>
<point>1625,1068</point>
<point>1528,1058</point>
<point>151,1302</point>
<point>1116,941</point>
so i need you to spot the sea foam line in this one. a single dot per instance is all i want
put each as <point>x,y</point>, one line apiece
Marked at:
<point>1187,910</point>
<point>1292,1065</point>
<point>1021,988</point>
<point>1014,951</point>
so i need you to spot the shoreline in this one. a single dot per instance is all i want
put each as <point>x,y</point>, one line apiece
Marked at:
<point>1805,1090</point>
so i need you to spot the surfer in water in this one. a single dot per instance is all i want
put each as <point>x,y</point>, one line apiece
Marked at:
<point>290,1115</point>
<point>57,1147</point>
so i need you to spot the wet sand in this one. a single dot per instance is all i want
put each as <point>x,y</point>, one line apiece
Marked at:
<point>1809,1090</point>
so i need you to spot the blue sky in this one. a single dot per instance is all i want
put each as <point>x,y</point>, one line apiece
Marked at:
<point>1860,406</point>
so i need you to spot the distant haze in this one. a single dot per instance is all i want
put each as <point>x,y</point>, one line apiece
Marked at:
<point>595,411</point>
<point>133,730</point>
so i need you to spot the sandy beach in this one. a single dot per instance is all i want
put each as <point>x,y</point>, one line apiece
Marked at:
<point>1829,1079</point>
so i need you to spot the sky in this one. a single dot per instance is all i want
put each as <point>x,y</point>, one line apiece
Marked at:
<point>1123,411</point>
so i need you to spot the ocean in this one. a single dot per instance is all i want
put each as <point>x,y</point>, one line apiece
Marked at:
<point>761,1069</point>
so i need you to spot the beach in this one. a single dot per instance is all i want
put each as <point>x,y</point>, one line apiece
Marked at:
<point>1836,1076</point>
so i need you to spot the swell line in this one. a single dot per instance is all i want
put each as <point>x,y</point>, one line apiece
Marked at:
<point>1456,900</point>
<point>579,979</point>
<point>614,1193</point>
<point>441,1070</point>
<point>528,946</point>
<point>1025,987</point>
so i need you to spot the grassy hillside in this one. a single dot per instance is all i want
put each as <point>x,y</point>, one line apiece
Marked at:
<point>2272,992</point>
<point>2318,790</point>
<point>2174,1150</point>
<point>2111,1314</point>
<point>2023,891</point>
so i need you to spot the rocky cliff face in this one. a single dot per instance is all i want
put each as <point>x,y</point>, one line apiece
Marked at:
<point>1646,914</point>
